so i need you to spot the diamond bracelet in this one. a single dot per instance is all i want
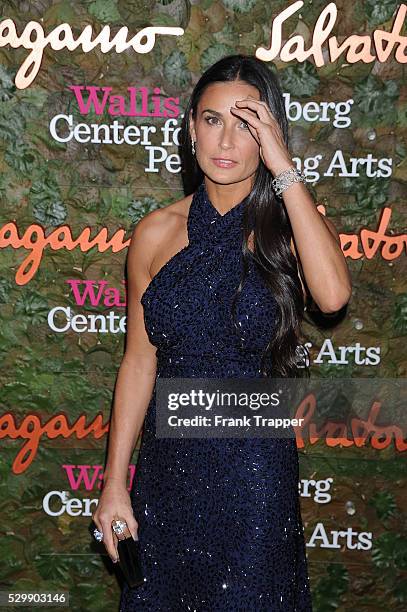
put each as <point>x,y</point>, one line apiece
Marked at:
<point>287,178</point>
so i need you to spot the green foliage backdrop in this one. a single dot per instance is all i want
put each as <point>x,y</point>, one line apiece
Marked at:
<point>50,184</point>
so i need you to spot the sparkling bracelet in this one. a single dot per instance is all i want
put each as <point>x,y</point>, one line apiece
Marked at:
<point>287,178</point>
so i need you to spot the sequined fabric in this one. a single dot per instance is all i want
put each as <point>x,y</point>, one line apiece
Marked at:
<point>219,518</point>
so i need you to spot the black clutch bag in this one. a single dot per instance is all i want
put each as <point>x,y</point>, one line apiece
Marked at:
<point>130,561</point>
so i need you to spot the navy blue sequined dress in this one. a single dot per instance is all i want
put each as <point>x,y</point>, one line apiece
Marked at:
<point>219,518</point>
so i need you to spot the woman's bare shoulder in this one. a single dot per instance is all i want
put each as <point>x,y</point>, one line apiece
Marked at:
<point>158,233</point>
<point>162,223</point>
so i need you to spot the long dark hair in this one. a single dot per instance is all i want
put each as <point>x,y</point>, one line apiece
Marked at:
<point>264,214</point>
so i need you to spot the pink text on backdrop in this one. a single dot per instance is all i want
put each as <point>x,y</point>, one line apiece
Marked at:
<point>97,293</point>
<point>117,105</point>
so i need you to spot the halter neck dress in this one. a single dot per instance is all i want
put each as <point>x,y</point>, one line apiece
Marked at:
<point>219,519</point>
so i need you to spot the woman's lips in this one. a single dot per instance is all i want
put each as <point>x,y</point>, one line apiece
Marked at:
<point>221,163</point>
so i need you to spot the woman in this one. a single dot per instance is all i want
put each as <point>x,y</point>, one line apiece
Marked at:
<point>217,284</point>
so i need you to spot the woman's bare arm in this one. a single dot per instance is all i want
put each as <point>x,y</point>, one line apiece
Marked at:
<point>136,376</point>
<point>318,251</point>
<point>134,386</point>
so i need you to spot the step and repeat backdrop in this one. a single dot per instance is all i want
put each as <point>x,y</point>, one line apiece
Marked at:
<point>92,94</point>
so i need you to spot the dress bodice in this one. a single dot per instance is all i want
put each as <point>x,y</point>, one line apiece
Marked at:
<point>187,305</point>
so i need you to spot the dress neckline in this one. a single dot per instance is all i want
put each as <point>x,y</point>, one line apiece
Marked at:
<point>207,225</point>
<point>207,199</point>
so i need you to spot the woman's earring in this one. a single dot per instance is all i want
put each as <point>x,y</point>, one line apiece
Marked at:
<point>193,147</point>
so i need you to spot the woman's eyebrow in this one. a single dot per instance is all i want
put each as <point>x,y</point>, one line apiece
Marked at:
<point>210,110</point>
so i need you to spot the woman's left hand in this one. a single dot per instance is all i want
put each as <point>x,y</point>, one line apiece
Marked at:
<point>266,131</point>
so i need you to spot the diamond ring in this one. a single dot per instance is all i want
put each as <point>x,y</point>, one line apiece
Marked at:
<point>119,526</point>
<point>98,535</point>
